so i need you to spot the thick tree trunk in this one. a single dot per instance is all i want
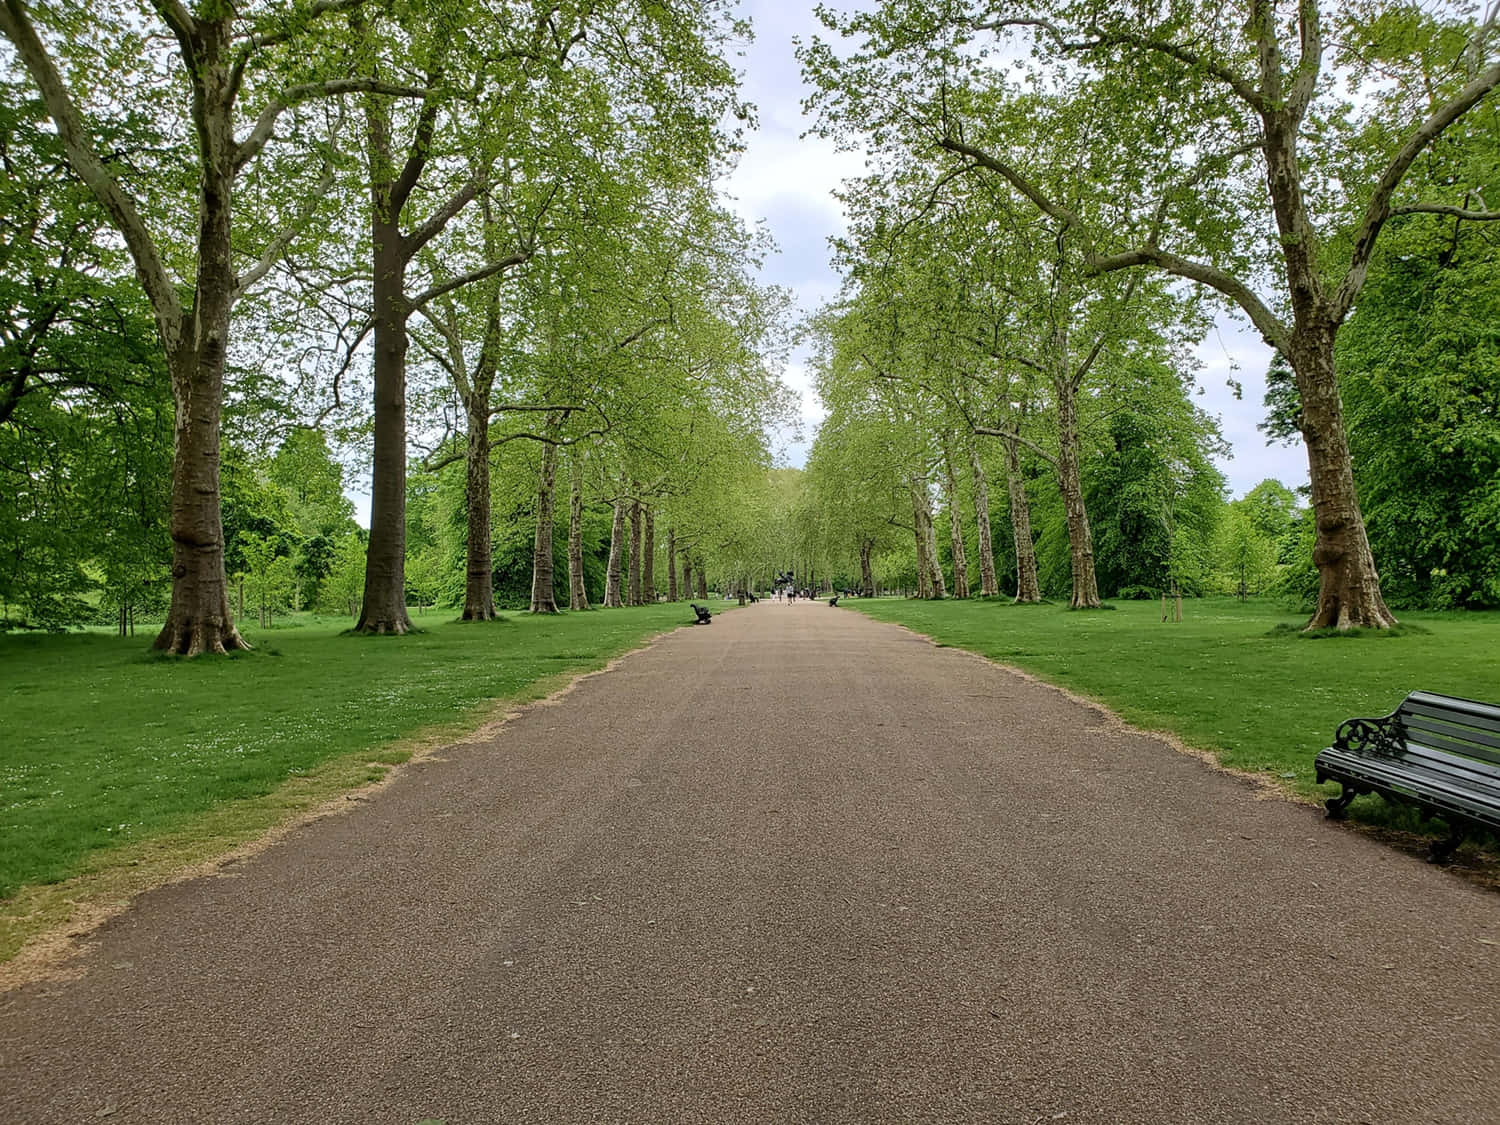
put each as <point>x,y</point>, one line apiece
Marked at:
<point>479,564</point>
<point>578,597</point>
<point>384,608</point>
<point>930,582</point>
<point>648,556</point>
<point>199,620</point>
<point>687,573</point>
<point>702,580</point>
<point>635,553</point>
<point>1349,587</point>
<point>989,585</point>
<point>1028,588</point>
<point>671,564</point>
<point>1070,480</point>
<point>616,548</point>
<point>956,530</point>
<point>543,600</point>
<point>866,573</point>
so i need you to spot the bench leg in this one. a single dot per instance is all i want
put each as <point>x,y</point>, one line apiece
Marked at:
<point>1338,807</point>
<point>1442,851</point>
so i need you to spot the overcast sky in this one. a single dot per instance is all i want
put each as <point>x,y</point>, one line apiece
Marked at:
<point>785,182</point>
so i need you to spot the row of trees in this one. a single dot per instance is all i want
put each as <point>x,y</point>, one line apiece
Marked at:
<point>488,224</point>
<point>1064,191</point>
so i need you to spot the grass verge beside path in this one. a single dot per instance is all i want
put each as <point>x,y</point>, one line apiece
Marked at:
<point>113,758</point>
<point>1225,679</point>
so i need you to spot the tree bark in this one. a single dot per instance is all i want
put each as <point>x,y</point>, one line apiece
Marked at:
<point>1028,588</point>
<point>616,547</point>
<point>479,563</point>
<point>956,529</point>
<point>1070,480</point>
<point>635,551</point>
<point>671,564</point>
<point>930,582</point>
<point>578,597</point>
<point>384,607</point>
<point>989,585</point>
<point>543,600</point>
<point>702,580</point>
<point>1349,586</point>
<point>687,573</point>
<point>648,556</point>
<point>866,572</point>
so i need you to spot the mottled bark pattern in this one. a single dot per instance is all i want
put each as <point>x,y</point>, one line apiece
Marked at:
<point>578,597</point>
<point>1349,586</point>
<point>479,565</point>
<point>1028,588</point>
<point>989,585</point>
<point>687,573</point>
<point>543,600</point>
<point>956,530</point>
<point>671,564</point>
<point>648,555</point>
<point>1070,481</point>
<point>616,548</point>
<point>199,619</point>
<point>635,553</point>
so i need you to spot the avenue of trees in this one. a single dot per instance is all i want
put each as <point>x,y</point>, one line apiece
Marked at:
<point>1063,190</point>
<point>251,249</point>
<point>469,256</point>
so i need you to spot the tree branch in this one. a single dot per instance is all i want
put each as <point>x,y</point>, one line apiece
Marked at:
<point>444,214</point>
<point>247,149</point>
<point>520,257</point>
<point>1379,208</point>
<point>1448,210</point>
<point>283,239</point>
<point>1271,328</point>
<point>121,208</point>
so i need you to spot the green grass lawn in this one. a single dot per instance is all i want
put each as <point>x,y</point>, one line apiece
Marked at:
<point>104,744</point>
<point>1224,679</point>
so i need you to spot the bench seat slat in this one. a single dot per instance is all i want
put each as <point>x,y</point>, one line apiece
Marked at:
<point>1478,787</point>
<point>1479,806</point>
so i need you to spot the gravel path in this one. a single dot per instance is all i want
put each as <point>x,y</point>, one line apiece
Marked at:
<point>797,866</point>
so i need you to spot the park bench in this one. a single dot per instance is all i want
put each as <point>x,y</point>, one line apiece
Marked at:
<point>704,616</point>
<point>834,601</point>
<point>1438,753</point>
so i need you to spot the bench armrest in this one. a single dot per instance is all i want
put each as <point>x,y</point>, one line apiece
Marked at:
<point>1371,736</point>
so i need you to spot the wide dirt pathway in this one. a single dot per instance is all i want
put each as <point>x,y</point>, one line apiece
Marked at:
<point>796,866</point>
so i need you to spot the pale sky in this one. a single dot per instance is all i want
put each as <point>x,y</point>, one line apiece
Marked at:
<point>786,182</point>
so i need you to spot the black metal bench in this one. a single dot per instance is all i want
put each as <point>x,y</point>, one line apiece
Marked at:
<point>1438,753</point>
<point>704,617</point>
<point>834,601</point>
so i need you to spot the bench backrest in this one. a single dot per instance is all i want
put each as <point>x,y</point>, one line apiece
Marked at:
<point>1456,726</point>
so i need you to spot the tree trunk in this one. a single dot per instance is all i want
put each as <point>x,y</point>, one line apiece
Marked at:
<point>648,556</point>
<point>578,597</point>
<point>989,585</point>
<point>1028,588</point>
<point>616,547</point>
<point>199,619</point>
<point>479,565</point>
<point>702,580</point>
<point>542,572</point>
<point>635,552</point>
<point>956,530</point>
<point>384,608</point>
<point>930,582</point>
<point>1349,588</point>
<point>671,564</point>
<point>687,573</point>
<point>866,573</point>
<point>1069,479</point>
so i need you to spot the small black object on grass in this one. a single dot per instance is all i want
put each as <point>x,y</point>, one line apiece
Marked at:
<point>704,617</point>
<point>834,601</point>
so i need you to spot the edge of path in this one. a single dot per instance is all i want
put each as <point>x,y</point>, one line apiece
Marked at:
<point>1479,867</point>
<point>53,922</point>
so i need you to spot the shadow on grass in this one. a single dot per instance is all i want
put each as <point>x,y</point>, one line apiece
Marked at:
<point>1298,632</point>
